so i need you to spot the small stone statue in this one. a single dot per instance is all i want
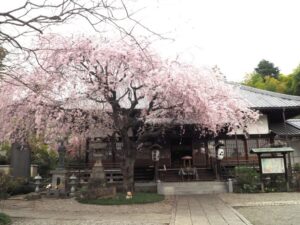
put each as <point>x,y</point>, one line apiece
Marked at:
<point>61,155</point>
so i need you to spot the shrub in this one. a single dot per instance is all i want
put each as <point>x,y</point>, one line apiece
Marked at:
<point>296,176</point>
<point>275,183</point>
<point>5,153</point>
<point>247,179</point>
<point>120,199</point>
<point>13,186</point>
<point>42,156</point>
<point>4,219</point>
<point>297,167</point>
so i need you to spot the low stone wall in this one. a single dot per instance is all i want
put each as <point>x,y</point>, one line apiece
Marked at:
<point>191,188</point>
<point>5,169</point>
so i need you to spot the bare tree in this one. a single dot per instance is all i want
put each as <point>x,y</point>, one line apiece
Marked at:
<point>35,16</point>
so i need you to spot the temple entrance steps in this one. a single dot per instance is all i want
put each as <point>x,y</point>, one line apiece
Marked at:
<point>174,175</point>
<point>191,188</point>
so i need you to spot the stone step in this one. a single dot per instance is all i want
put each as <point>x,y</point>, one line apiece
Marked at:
<point>190,188</point>
<point>173,175</point>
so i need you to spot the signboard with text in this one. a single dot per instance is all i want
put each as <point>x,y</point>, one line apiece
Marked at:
<point>272,165</point>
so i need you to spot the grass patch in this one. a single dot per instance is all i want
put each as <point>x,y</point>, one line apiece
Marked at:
<point>120,199</point>
<point>4,219</point>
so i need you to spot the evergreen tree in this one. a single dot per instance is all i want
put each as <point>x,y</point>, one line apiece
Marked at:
<point>266,68</point>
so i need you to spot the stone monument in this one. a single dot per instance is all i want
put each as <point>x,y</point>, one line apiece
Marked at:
<point>20,160</point>
<point>59,175</point>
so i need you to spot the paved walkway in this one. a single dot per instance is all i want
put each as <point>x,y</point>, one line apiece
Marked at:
<point>205,210</point>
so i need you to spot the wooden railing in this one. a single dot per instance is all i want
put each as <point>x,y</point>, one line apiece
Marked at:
<point>83,171</point>
<point>235,162</point>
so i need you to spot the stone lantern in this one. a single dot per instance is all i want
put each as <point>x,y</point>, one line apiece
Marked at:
<point>37,181</point>
<point>72,179</point>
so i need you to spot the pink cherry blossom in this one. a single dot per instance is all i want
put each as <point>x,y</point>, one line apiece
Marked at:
<point>91,87</point>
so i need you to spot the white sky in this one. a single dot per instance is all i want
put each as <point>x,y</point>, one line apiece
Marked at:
<point>233,34</point>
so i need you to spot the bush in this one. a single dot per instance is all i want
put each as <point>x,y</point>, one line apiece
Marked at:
<point>297,167</point>
<point>5,153</point>
<point>4,219</point>
<point>247,179</point>
<point>275,183</point>
<point>296,176</point>
<point>120,199</point>
<point>42,156</point>
<point>13,186</point>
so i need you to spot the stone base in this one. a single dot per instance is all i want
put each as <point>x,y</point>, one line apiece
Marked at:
<point>59,180</point>
<point>56,193</point>
<point>101,192</point>
<point>33,196</point>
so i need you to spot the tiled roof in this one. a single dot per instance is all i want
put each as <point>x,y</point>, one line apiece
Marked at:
<point>261,99</point>
<point>284,130</point>
<point>294,122</point>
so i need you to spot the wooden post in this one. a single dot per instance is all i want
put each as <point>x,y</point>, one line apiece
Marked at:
<point>260,171</point>
<point>246,149</point>
<point>237,149</point>
<point>286,173</point>
<point>156,177</point>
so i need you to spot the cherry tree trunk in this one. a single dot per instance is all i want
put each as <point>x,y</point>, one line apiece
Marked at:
<point>129,151</point>
<point>128,174</point>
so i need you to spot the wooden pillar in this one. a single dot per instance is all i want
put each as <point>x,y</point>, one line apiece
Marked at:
<point>286,174</point>
<point>260,171</point>
<point>246,149</point>
<point>87,150</point>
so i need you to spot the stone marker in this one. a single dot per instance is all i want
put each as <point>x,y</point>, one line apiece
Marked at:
<point>20,160</point>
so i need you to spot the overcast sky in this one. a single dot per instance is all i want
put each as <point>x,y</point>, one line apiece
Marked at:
<point>233,34</point>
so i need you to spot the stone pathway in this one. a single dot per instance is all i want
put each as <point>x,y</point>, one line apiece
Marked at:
<point>205,210</point>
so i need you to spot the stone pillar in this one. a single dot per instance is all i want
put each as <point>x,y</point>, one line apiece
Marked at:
<point>20,160</point>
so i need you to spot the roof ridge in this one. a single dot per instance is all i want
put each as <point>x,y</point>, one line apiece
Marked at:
<point>265,92</point>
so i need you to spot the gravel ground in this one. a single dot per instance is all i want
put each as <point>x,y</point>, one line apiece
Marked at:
<point>272,215</point>
<point>261,198</point>
<point>70,212</point>
<point>76,222</point>
<point>267,208</point>
<point>260,209</point>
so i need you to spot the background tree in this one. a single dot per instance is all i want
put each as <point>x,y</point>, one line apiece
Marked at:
<point>266,68</point>
<point>287,84</point>
<point>91,86</point>
<point>295,84</point>
<point>281,85</point>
